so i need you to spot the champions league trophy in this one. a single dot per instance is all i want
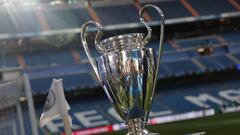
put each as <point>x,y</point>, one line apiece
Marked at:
<point>127,71</point>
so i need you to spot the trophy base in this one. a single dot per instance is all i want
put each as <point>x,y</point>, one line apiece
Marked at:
<point>137,127</point>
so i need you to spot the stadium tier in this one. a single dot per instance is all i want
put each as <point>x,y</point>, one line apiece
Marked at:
<point>182,58</point>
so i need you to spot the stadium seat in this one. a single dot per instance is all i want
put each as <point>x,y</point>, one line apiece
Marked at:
<point>224,61</point>
<point>207,7</point>
<point>210,64</point>
<point>175,56</point>
<point>182,67</point>
<point>32,24</point>
<point>83,55</point>
<point>233,48</point>
<point>197,42</point>
<point>164,71</point>
<point>43,58</point>
<point>8,61</point>
<point>237,55</point>
<point>231,37</point>
<point>61,19</point>
<point>166,46</point>
<point>167,7</point>
<point>117,14</point>
<point>82,15</point>
<point>70,82</point>
<point>74,76</point>
<point>57,70</point>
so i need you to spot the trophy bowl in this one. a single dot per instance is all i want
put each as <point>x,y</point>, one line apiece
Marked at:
<point>127,71</point>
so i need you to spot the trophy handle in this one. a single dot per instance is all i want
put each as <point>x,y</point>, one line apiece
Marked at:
<point>98,46</point>
<point>161,36</point>
<point>96,42</point>
<point>147,38</point>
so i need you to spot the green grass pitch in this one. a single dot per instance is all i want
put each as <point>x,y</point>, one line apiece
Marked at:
<point>222,124</point>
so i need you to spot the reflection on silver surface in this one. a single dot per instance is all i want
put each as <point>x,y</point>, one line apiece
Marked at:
<point>127,71</point>
<point>128,79</point>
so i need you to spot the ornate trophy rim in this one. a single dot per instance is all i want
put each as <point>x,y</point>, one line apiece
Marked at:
<point>122,42</point>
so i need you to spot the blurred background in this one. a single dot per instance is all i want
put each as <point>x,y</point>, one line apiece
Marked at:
<point>199,83</point>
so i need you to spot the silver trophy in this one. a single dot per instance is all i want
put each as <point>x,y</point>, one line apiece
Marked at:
<point>127,70</point>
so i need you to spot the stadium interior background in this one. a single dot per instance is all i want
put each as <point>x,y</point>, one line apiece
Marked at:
<point>198,88</point>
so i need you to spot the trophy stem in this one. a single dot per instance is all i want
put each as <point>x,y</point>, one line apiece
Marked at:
<point>137,127</point>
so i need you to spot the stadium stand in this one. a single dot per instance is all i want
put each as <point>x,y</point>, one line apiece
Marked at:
<point>73,74</point>
<point>25,46</point>
<point>187,50</point>
<point>176,62</point>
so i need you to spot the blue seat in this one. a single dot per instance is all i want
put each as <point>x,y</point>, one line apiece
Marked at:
<point>61,19</point>
<point>231,37</point>
<point>8,61</point>
<point>198,42</point>
<point>167,7</point>
<point>40,85</point>
<point>117,14</point>
<point>206,7</point>
<point>82,15</point>
<point>164,71</point>
<point>33,59</point>
<point>234,48</point>
<point>155,45</point>
<point>237,55</point>
<point>82,80</point>
<point>70,82</point>
<point>51,57</point>
<point>224,61</point>
<point>83,55</point>
<point>182,67</point>
<point>174,56</point>
<point>57,70</point>
<point>74,77</point>
<point>210,64</point>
